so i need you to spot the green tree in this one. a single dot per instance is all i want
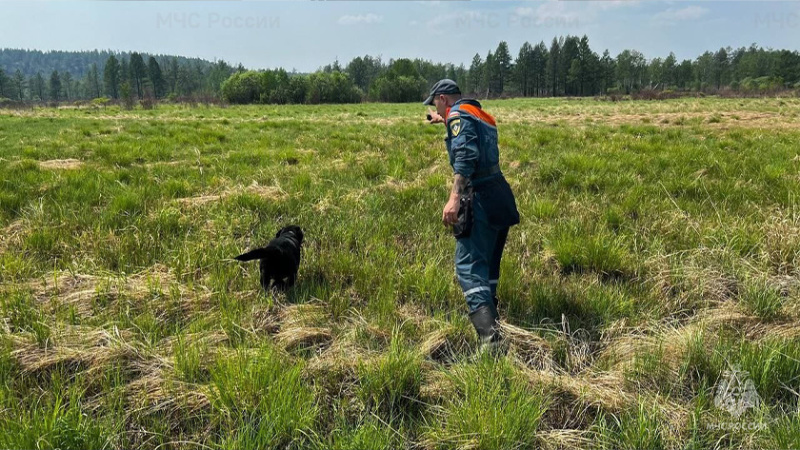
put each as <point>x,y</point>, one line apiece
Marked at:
<point>539,62</point>
<point>570,51</point>
<point>111,77</point>
<point>171,73</point>
<point>138,73</point>
<point>631,67</point>
<point>401,83</point>
<point>5,85</point>
<point>553,64</point>
<point>476,74</point>
<point>502,61</point>
<point>489,74</point>
<point>670,65</point>
<point>156,77</point>
<point>217,74</point>
<point>588,62</point>
<point>704,71</point>
<point>126,95</point>
<point>363,70</point>
<point>721,68</point>
<point>684,74</point>
<point>124,73</point>
<point>607,68</point>
<point>461,77</point>
<point>38,87</point>
<point>332,87</point>
<point>244,87</point>
<point>67,86</point>
<point>403,67</point>
<point>788,66</point>
<point>55,86</point>
<point>93,82</point>
<point>20,84</point>
<point>523,69</point>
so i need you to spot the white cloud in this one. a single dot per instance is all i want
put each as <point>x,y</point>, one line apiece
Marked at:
<point>360,19</point>
<point>684,14</point>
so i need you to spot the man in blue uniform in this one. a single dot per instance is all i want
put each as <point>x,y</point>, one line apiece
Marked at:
<point>483,197</point>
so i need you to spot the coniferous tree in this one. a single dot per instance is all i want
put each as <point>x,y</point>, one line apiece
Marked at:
<point>55,86</point>
<point>539,62</point>
<point>93,82</point>
<point>111,73</point>
<point>156,77</point>
<point>124,73</point>
<point>138,73</point>
<point>553,64</point>
<point>523,69</point>
<point>606,72</point>
<point>67,86</point>
<point>476,74</point>
<point>39,88</point>
<point>670,65</point>
<point>20,84</point>
<point>569,77</point>
<point>5,84</point>
<point>489,74</point>
<point>502,61</point>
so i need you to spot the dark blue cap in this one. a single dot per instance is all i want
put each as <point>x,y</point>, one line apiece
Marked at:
<point>445,86</point>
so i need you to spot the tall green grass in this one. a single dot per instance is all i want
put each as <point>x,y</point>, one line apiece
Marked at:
<point>658,247</point>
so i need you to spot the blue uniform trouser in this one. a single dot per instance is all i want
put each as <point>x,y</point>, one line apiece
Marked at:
<point>478,260</point>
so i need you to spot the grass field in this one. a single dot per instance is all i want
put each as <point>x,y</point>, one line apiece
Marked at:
<point>659,247</point>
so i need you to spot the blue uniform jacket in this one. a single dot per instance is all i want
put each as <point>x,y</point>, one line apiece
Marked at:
<point>472,147</point>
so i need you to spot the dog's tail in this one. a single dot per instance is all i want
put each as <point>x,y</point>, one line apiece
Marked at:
<point>259,253</point>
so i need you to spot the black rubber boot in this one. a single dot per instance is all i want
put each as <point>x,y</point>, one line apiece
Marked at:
<point>484,319</point>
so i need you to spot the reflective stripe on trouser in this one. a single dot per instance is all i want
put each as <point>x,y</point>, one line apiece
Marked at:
<point>477,261</point>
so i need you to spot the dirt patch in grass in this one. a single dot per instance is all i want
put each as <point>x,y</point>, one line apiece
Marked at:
<point>61,164</point>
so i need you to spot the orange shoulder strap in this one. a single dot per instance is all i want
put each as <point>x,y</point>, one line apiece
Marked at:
<point>479,113</point>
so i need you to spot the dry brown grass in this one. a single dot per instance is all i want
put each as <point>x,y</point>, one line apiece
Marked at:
<point>82,349</point>
<point>60,164</point>
<point>527,347</point>
<point>81,292</point>
<point>268,192</point>
<point>565,439</point>
<point>12,234</point>
<point>605,390</point>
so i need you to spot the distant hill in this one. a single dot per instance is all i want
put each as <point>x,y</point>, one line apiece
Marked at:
<point>77,63</point>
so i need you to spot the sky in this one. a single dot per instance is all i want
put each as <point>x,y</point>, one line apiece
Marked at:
<point>305,35</point>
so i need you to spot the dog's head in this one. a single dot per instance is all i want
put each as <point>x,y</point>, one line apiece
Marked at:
<point>291,230</point>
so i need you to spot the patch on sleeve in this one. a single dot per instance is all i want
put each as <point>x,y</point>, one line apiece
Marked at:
<point>455,126</point>
<point>453,114</point>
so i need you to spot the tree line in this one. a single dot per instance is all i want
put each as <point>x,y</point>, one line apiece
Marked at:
<point>123,76</point>
<point>566,67</point>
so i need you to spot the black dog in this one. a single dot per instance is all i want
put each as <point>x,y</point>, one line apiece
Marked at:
<point>280,259</point>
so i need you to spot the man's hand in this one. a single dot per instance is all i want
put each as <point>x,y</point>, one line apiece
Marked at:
<point>434,117</point>
<point>450,211</point>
